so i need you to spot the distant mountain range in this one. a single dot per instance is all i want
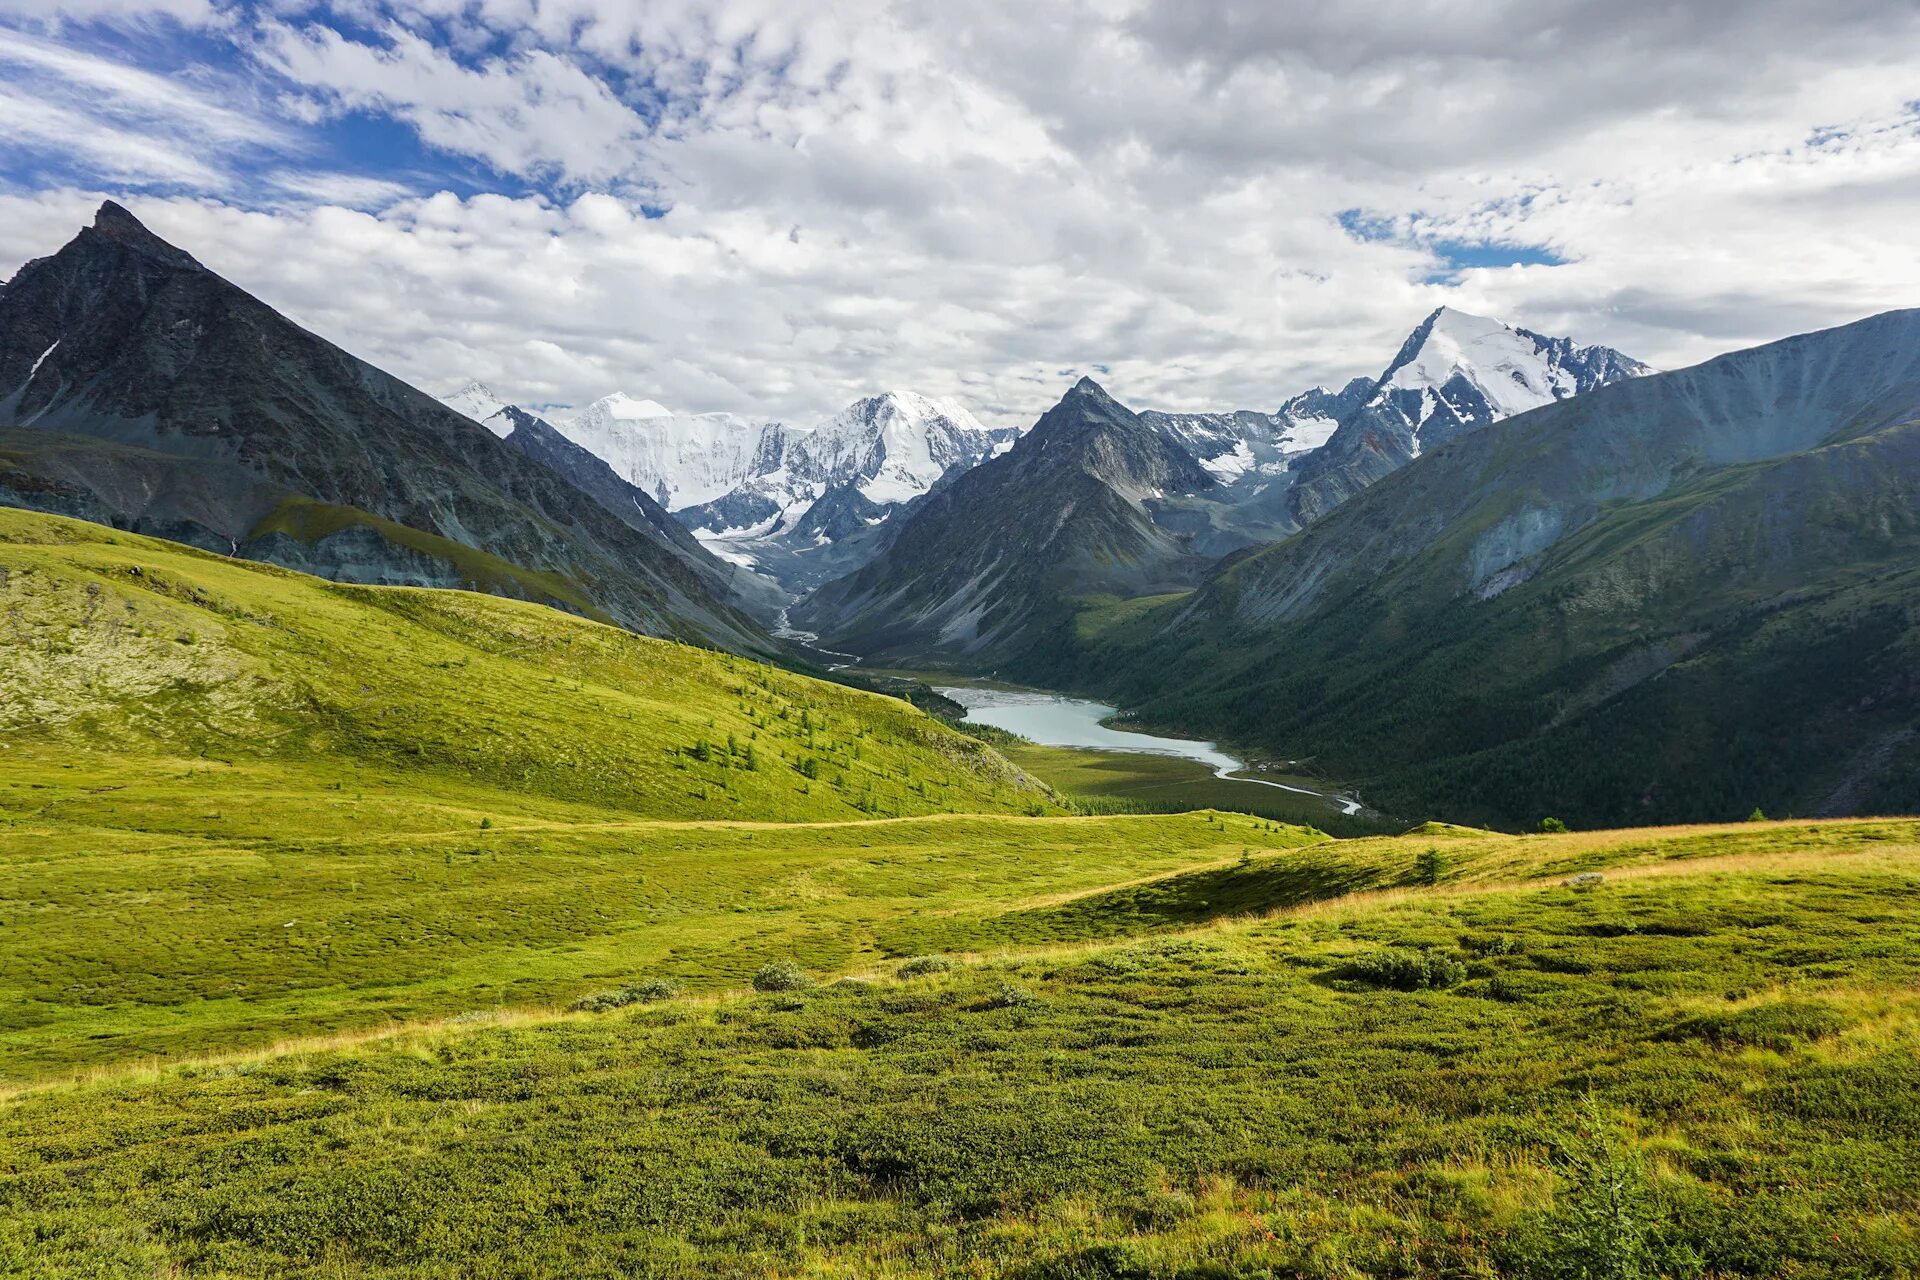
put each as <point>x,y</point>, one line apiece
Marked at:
<point>1232,483</point>
<point>1005,551</point>
<point>138,388</point>
<point>799,505</point>
<point>1677,597</point>
<point>1511,576</point>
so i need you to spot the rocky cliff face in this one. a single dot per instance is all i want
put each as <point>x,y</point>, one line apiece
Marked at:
<point>140,389</point>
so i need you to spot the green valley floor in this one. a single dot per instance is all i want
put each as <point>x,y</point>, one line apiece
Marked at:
<point>348,932</point>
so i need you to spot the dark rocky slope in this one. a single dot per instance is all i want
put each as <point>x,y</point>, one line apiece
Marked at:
<point>1677,597</point>
<point>992,563</point>
<point>140,389</point>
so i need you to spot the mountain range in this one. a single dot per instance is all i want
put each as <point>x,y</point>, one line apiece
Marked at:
<point>951,585</point>
<point>1509,576</point>
<point>798,505</point>
<point>140,389</point>
<point>1673,597</point>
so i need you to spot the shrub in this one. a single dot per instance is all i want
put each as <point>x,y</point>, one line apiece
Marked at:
<point>639,993</point>
<point>1504,989</point>
<point>1756,815</point>
<point>1406,969</point>
<point>1552,827</point>
<point>781,975</point>
<point>1011,996</point>
<point>1490,946</point>
<point>1429,866</point>
<point>920,966</point>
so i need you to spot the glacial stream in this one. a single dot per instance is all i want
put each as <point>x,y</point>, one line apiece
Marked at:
<point>1055,720</point>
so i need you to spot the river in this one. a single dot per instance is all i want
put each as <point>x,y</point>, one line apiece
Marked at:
<point>1055,720</point>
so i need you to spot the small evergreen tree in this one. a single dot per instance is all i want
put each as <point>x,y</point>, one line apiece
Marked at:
<point>1429,866</point>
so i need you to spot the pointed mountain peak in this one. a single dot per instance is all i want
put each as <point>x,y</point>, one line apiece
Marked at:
<point>112,214</point>
<point>113,222</point>
<point>1088,387</point>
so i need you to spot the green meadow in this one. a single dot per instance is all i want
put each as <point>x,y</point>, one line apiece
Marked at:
<point>360,932</point>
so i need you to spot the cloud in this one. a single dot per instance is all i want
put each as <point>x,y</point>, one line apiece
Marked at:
<point>120,122</point>
<point>534,114</point>
<point>751,205</point>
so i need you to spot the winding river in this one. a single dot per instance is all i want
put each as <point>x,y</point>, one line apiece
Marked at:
<point>1055,720</point>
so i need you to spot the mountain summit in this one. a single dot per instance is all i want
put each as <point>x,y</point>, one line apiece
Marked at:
<point>140,389</point>
<point>1456,372</point>
<point>991,563</point>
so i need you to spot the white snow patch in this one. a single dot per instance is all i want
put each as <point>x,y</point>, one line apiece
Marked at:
<point>1229,467</point>
<point>42,360</point>
<point>477,401</point>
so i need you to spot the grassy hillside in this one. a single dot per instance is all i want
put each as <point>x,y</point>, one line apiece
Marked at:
<point>1701,1064</point>
<point>358,932</point>
<point>148,651</point>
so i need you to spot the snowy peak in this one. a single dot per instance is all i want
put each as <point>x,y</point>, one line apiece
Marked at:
<point>679,459</point>
<point>1458,370</point>
<point>620,407</point>
<point>894,447</point>
<point>1455,373</point>
<point>1234,446</point>
<point>478,402</point>
<point>737,478</point>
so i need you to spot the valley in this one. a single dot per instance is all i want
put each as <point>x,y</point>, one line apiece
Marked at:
<point>1081,728</point>
<point>443,839</point>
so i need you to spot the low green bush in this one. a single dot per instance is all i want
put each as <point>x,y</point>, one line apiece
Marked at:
<point>1011,995</point>
<point>921,966</point>
<point>639,993</point>
<point>1778,1026</point>
<point>1405,969</point>
<point>781,975</point>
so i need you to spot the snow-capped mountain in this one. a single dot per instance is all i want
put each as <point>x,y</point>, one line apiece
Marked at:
<point>680,459</point>
<point>1233,446</point>
<point>728,473</point>
<point>764,492</point>
<point>1455,372</point>
<point>1458,371</point>
<point>895,447</point>
<point>478,402</point>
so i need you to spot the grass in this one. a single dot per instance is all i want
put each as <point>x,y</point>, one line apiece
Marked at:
<point>135,649</point>
<point>307,520</point>
<point>356,932</point>
<point>118,943</point>
<point>1704,1065</point>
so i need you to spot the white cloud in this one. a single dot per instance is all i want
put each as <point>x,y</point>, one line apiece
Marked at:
<point>122,122</point>
<point>532,115</point>
<point>970,199</point>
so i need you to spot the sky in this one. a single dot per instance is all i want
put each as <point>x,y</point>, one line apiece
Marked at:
<point>775,208</point>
